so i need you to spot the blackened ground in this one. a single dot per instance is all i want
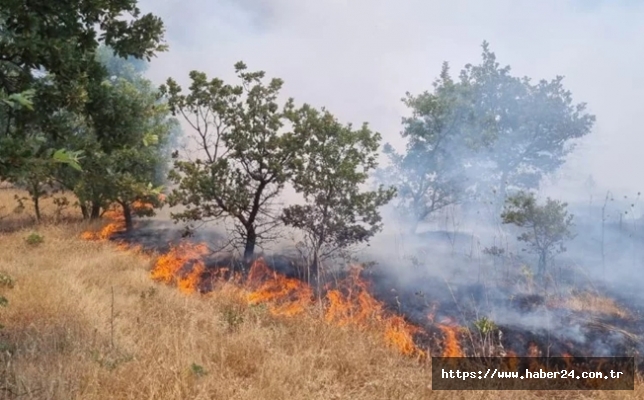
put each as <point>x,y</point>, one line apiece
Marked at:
<point>430,301</point>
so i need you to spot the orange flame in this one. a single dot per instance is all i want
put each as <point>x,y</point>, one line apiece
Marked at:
<point>168,267</point>
<point>113,214</point>
<point>452,346</point>
<point>285,296</point>
<point>288,296</point>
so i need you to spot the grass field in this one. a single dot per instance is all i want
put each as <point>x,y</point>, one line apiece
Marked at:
<point>85,321</point>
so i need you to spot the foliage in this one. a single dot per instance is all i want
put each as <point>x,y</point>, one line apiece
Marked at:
<point>428,177</point>
<point>243,160</point>
<point>472,138</point>
<point>34,239</point>
<point>485,325</point>
<point>527,128</point>
<point>48,65</point>
<point>127,135</point>
<point>336,160</point>
<point>546,227</point>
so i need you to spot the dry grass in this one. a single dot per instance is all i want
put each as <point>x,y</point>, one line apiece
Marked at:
<point>593,303</point>
<point>84,321</point>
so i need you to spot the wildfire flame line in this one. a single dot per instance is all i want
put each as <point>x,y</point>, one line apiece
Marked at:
<point>348,304</point>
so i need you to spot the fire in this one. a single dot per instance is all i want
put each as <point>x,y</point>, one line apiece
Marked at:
<point>400,334</point>
<point>353,308</point>
<point>348,304</point>
<point>360,309</point>
<point>452,346</point>
<point>117,223</point>
<point>288,296</point>
<point>142,206</point>
<point>168,267</point>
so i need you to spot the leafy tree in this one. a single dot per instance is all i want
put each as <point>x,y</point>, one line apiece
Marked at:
<point>127,134</point>
<point>336,160</point>
<point>547,227</point>
<point>528,129</point>
<point>428,177</point>
<point>124,134</point>
<point>59,39</point>
<point>244,158</point>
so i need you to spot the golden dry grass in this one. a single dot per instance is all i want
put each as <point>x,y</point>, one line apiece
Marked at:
<point>593,303</point>
<point>84,321</point>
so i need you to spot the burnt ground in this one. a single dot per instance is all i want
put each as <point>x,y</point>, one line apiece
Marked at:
<point>525,320</point>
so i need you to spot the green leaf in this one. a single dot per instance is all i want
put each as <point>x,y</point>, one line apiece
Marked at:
<point>70,158</point>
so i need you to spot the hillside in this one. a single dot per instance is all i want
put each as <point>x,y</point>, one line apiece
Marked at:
<point>84,320</point>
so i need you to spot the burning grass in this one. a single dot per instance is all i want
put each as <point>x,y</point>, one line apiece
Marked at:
<point>86,321</point>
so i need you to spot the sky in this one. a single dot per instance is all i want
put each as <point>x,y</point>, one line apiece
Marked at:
<point>358,58</point>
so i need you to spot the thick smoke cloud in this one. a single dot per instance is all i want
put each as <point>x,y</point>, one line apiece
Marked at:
<point>359,58</point>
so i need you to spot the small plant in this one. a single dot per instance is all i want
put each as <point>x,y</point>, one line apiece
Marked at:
<point>494,251</point>
<point>6,280</point>
<point>61,203</point>
<point>34,239</point>
<point>198,370</point>
<point>485,325</point>
<point>546,228</point>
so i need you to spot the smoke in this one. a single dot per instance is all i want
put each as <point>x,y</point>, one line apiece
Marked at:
<point>359,58</point>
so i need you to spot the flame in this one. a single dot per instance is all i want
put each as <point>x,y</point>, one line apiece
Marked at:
<point>168,267</point>
<point>356,309</point>
<point>349,304</point>
<point>452,346</point>
<point>533,350</point>
<point>138,205</point>
<point>117,223</point>
<point>400,334</point>
<point>360,309</point>
<point>288,296</point>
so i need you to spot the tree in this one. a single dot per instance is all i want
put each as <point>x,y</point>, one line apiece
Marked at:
<point>125,135</point>
<point>529,129</point>
<point>547,227</point>
<point>244,158</point>
<point>428,177</point>
<point>59,40</point>
<point>336,161</point>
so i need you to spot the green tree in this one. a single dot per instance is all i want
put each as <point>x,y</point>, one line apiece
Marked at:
<point>244,157</point>
<point>59,39</point>
<point>429,176</point>
<point>546,227</point>
<point>336,160</point>
<point>127,136</point>
<point>124,135</point>
<point>530,128</point>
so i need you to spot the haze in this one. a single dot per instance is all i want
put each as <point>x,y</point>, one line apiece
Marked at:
<point>358,58</point>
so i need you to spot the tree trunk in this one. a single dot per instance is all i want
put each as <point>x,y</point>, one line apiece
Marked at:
<point>85,211</point>
<point>315,263</point>
<point>251,240</point>
<point>96,210</point>
<point>127,215</point>
<point>35,197</point>
<point>542,263</point>
<point>36,200</point>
